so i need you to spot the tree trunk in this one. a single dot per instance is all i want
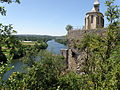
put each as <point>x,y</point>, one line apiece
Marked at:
<point>2,56</point>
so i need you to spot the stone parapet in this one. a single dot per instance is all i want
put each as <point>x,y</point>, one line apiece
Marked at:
<point>78,34</point>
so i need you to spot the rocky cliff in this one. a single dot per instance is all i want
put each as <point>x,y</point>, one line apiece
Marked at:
<point>76,59</point>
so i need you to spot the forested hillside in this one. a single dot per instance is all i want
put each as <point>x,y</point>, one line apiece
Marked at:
<point>33,37</point>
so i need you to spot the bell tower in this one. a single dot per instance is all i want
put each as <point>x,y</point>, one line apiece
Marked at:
<point>96,5</point>
<point>94,19</point>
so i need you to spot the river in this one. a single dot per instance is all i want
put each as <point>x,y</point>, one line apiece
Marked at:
<point>53,47</point>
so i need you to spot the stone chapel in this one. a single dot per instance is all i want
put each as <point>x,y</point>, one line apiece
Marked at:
<point>94,19</point>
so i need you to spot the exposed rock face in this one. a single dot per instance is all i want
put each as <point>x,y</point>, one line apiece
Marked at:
<point>81,62</point>
<point>94,23</point>
<point>76,60</point>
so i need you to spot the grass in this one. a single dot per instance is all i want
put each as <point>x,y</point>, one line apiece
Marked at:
<point>28,43</point>
<point>6,51</point>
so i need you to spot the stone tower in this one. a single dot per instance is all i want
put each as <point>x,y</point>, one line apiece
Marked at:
<point>94,19</point>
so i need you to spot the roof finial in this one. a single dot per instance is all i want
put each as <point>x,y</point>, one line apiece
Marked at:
<point>96,2</point>
<point>96,6</point>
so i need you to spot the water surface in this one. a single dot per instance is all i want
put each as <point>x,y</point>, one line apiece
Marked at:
<point>55,47</point>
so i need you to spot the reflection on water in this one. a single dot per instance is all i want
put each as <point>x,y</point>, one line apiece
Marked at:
<point>55,47</point>
<point>18,67</point>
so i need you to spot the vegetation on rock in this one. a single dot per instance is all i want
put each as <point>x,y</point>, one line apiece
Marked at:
<point>102,71</point>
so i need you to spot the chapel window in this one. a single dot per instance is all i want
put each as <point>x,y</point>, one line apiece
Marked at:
<point>91,18</point>
<point>98,20</point>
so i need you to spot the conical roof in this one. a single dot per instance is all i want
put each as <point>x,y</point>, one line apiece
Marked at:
<point>96,2</point>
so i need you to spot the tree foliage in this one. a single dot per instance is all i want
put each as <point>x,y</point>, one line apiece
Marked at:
<point>7,41</point>
<point>69,27</point>
<point>2,8</point>
<point>102,70</point>
<point>43,74</point>
<point>103,53</point>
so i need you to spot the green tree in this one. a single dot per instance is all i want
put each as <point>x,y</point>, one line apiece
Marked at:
<point>69,27</point>
<point>102,70</point>
<point>43,74</point>
<point>113,30</point>
<point>6,31</point>
<point>103,53</point>
<point>2,8</point>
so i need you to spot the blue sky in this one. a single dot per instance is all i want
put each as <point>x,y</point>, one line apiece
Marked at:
<point>48,17</point>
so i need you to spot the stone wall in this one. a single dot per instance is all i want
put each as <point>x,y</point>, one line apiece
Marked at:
<point>78,34</point>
